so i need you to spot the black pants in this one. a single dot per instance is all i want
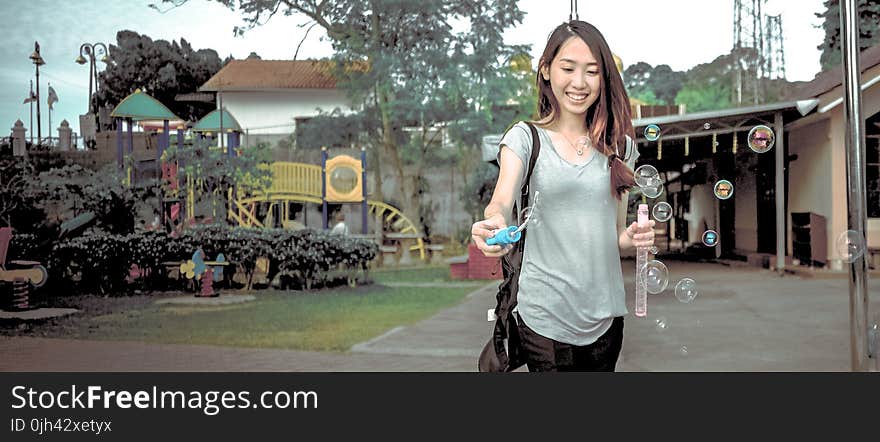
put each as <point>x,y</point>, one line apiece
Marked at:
<point>545,354</point>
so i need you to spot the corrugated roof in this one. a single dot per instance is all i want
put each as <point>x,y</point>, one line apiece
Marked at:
<point>141,106</point>
<point>211,122</point>
<point>272,74</point>
<point>831,78</point>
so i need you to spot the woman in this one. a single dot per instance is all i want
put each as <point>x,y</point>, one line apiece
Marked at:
<point>571,299</point>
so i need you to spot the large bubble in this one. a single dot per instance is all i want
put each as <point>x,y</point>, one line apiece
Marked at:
<point>662,211</point>
<point>686,290</point>
<point>652,191</point>
<point>656,276</point>
<point>652,132</point>
<point>646,175</point>
<point>761,139</point>
<point>850,245</point>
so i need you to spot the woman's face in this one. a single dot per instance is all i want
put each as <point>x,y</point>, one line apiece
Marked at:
<point>575,77</point>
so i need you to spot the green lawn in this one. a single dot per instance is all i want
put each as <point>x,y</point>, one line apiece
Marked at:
<point>327,319</point>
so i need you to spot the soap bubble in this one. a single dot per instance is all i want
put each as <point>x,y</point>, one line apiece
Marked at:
<point>723,189</point>
<point>707,126</point>
<point>660,323</point>
<point>656,276</point>
<point>686,290</point>
<point>654,250</point>
<point>684,350</point>
<point>652,192</point>
<point>662,211</point>
<point>710,238</point>
<point>652,132</point>
<point>646,175</point>
<point>761,139</point>
<point>850,245</point>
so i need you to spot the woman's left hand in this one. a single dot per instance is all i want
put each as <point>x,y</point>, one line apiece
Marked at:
<point>641,236</point>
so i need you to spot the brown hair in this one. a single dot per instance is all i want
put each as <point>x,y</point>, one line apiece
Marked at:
<point>609,119</point>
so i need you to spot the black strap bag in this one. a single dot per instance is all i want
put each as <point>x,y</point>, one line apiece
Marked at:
<point>498,355</point>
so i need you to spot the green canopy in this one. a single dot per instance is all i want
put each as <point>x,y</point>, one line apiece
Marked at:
<point>211,122</point>
<point>140,106</point>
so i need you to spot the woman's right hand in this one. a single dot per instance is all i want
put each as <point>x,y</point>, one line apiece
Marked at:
<point>483,230</point>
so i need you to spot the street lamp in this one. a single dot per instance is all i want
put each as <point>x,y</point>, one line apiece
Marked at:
<point>91,50</point>
<point>38,61</point>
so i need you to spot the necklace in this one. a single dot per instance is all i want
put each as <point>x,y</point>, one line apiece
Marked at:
<point>579,148</point>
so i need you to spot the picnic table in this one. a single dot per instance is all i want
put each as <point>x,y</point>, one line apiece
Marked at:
<point>405,240</point>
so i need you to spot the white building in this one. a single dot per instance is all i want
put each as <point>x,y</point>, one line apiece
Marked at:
<point>268,97</point>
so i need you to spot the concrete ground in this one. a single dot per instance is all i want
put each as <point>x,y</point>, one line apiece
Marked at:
<point>743,319</point>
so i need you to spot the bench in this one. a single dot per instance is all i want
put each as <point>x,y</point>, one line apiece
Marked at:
<point>389,255</point>
<point>436,253</point>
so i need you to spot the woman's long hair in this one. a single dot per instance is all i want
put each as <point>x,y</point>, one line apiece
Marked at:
<point>609,119</point>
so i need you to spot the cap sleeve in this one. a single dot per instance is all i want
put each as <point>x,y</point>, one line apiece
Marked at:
<point>519,140</point>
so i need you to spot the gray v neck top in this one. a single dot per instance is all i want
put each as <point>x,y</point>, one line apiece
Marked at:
<point>571,283</point>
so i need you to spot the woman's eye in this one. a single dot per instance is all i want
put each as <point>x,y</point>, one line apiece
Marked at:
<point>592,72</point>
<point>568,69</point>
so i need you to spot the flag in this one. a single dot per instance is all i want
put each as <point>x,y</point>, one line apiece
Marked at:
<point>53,97</point>
<point>32,97</point>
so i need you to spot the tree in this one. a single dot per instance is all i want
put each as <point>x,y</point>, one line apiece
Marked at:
<point>402,65</point>
<point>160,68</point>
<point>653,85</point>
<point>869,30</point>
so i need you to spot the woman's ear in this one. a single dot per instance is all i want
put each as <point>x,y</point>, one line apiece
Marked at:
<point>545,73</point>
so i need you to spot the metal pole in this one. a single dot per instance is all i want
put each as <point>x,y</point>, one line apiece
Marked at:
<point>855,197</point>
<point>32,112</point>
<point>779,129</point>
<point>39,127</point>
<point>324,187</point>
<point>91,77</point>
<point>364,190</point>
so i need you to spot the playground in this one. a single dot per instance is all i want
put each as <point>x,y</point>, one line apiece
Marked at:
<point>192,213</point>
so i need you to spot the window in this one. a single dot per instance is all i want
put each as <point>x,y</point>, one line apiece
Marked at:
<point>872,174</point>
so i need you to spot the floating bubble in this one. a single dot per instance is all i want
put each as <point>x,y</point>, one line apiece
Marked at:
<point>652,192</point>
<point>707,126</point>
<point>723,189</point>
<point>850,245</point>
<point>686,290</point>
<point>646,175</point>
<point>761,139</point>
<point>654,250</point>
<point>710,238</point>
<point>652,132</point>
<point>656,276</point>
<point>684,350</point>
<point>660,323</point>
<point>662,211</point>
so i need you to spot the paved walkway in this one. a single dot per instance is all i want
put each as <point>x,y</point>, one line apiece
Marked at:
<point>744,319</point>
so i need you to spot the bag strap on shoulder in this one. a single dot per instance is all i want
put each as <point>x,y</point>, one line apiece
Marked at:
<point>536,149</point>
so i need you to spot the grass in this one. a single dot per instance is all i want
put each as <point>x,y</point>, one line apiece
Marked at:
<point>327,319</point>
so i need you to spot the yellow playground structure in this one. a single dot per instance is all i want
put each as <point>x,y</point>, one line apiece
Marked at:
<point>307,183</point>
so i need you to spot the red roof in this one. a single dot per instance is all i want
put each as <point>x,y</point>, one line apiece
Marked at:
<point>272,74</point>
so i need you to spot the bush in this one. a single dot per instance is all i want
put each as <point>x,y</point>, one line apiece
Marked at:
<point>100,261</point>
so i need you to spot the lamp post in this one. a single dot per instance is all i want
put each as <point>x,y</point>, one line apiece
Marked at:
<point>38,61</point>
<point>91,51</point>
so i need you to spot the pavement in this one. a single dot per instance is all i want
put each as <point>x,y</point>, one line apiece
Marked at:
<point>743,319</point>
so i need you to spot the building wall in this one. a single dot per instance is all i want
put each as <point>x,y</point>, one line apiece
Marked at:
<point>273,111</point>
<point>810,179</point>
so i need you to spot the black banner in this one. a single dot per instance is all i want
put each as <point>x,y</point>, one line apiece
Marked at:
<point>413,406</point>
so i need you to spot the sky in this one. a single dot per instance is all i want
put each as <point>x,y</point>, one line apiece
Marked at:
<point>679,33</point>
